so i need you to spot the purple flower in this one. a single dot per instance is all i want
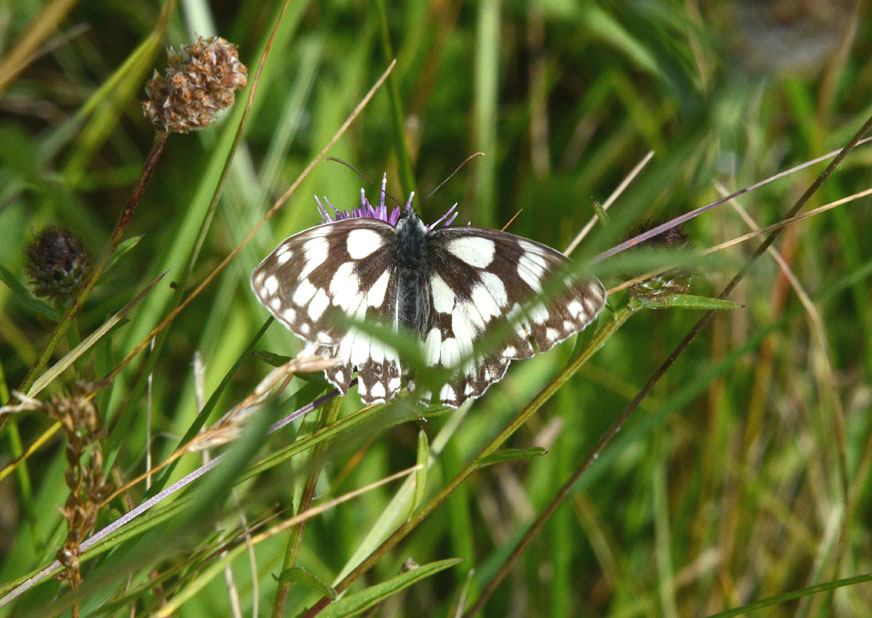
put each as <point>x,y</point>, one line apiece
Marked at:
<point>379,212</point>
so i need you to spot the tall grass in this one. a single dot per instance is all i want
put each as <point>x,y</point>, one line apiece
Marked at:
<point>739,483</point>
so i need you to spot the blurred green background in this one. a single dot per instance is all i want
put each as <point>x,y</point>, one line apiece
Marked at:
<point>727,486</point>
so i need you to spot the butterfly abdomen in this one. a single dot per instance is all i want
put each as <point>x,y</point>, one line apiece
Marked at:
<point>414,261</point>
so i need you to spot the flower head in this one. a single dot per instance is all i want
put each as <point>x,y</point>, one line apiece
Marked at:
<point>200,80</point>
<point>56,264</point>
<point>381,212</point>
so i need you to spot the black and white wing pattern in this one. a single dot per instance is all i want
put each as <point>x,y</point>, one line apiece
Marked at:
<point>485,277</point>
<point>450,285</point>
<point>347,266</point>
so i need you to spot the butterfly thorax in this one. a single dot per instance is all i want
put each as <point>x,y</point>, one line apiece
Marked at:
<point>413,258</point>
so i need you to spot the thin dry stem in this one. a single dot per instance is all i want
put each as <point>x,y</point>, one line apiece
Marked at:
<point>745,237</point>
<point>609,201</point>
<point>693,213</point>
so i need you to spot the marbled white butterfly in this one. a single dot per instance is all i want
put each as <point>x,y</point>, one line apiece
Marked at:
<point>447,284</point>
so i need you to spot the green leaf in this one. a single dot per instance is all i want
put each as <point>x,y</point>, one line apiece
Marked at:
<point>600,212</point>
<point>123,248</point>
<point>421,475</point>
<point>794,594</point>
<point>687,301</point>
<point>356,603</point>
<point>299,575</point>
<point>276,360</point>
<point>512,454</point>
<point>26,298</point>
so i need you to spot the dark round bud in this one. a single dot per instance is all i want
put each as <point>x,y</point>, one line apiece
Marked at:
<point>56,264</point>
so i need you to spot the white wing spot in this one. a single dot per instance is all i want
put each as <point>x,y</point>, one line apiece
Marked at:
<point>483,300</point>
<point>304,293</point>
<point>551,334</point>
<point>359,348</point>
<point>361,388</point>
<point>304,328</point>
<point>538,313</point>
<point>320,232</point>
<point>394,384</point>
<point>358,304</point>
<point>568,326</point>
<point>289,315</point>
<point>377,391</point>
<point>474,250</point>
<point>348,295</point>
<point>509,352</point>
<point>276,303</point>
<point>376,295</point>
<point>574,308</point>
<point>283,256</point>
<point>496,287</point>
<point>447,393</point>
<point>340,376</point>
<point>533,247</point>
<point>271,285</point>
<point>363,242</point>
<point>258,279</point>
<point>341,279</point>
<point>314,252</point>
<point>464,333</point>
<point>443,297</point>
<point>432,346</point>
<point>537,259</point>
<point>450,352</point>
<point>318,305</point>
<point>530,272</point>
<point>324,337</point>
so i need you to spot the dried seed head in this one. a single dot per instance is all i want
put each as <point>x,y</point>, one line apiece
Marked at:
<point>200,80</point>
<point>56,264</point>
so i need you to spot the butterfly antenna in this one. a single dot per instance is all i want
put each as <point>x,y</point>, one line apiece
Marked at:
<point>512,220</point>
<point>465,161</point>
<point>365,178</point>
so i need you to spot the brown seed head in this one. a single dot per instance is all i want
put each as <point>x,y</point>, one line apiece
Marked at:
<point>200,80</point>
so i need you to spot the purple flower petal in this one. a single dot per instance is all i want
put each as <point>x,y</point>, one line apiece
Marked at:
<point>381,212</point>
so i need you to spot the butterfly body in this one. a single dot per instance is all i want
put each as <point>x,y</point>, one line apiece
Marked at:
<point>448,285</point>
<point>412,255</point>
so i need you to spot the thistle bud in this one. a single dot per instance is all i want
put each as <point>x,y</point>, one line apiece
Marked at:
<point>56,264</point>
<point>200,80</point>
